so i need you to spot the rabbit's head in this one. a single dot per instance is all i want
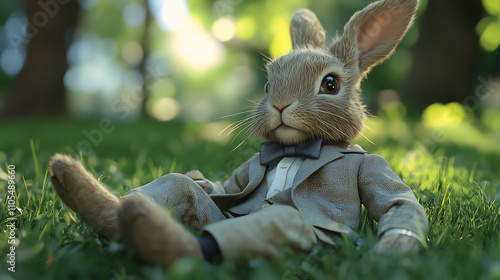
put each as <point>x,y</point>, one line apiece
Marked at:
<point>314,91</point>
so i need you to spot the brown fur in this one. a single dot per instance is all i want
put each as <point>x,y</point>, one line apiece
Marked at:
<point>396,245</point>
<point>293,111</point>
<point>306,30</point>
<point>81,192</point>
<point>153,236</point>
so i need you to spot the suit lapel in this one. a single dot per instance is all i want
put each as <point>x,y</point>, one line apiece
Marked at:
<point>328,154</point>
<point>256,175</point>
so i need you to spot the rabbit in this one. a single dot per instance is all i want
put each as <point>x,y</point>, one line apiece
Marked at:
<point>307,184</point>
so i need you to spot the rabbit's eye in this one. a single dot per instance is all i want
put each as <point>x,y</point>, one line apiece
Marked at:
<point>266,87</point>
<point>329,85</point>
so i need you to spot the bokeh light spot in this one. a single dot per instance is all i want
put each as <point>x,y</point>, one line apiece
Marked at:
<point>490,39</point>
<point>93,68</point>
<point>165,109</point>
<point>223,29</point>
<point>134,14</point>
<point>439,115</point>
<point>14,30</point>
<point>11,62</point>
<point>245,28</point>
<point>492,6</point>
<point>171,15</point>
<point>491,118</point>
<point>212,132</point>
<point>132,53</point>
<point>387,96</point>
<point>196,49</point>
<point>88,4</point>
<point>281,43</point>
<point>200,110</point>
<point>393,111</point>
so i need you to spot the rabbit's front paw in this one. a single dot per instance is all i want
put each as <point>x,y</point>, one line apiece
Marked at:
<point>397,244</point>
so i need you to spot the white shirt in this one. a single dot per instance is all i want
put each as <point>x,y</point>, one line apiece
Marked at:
<point>280,176</point>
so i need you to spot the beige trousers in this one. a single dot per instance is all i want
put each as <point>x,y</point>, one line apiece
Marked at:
<point>259,234</point>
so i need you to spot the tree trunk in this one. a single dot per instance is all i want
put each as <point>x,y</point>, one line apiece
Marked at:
<point>146,88</point>
<point>445,57</point>
<point>38,90</point>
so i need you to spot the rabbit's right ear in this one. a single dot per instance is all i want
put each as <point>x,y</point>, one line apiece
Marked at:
<point>305,29</point>
<point>372,34</point>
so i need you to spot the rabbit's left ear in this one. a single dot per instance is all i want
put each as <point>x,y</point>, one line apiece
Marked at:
<point>372,34</point>
<point>305,29</point>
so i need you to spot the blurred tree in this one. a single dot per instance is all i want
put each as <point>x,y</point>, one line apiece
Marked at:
<point>146,87</point>
<point>445,57</point>
<point>39,88</point>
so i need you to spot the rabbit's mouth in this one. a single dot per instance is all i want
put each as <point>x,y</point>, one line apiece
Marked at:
<point>284,126</point>
<point>288,135</point>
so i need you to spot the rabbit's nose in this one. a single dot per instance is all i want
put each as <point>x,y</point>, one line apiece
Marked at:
<point>281,109</point>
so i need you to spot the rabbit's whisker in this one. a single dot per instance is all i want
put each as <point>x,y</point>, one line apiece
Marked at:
<point>333,114</point>
<point>245,123</point>
<point>335,128</point>
<point>236,114</point>
<point>232,125</point>
<point>256,102</point>
<point>247,128</point>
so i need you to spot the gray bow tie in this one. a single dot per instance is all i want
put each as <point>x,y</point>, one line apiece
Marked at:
<point>270,151</point>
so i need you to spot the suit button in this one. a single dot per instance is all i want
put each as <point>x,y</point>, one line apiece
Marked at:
<point>266,205</point>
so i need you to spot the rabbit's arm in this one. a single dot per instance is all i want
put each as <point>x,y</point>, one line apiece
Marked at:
<point>239,179</point>
<point>208,186</point>
<point>387,199</point>
<point>236,183</point>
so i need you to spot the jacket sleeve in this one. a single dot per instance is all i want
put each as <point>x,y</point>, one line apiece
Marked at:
<point>235,184</point>
<point>387,199</point>
<point>239,179</point>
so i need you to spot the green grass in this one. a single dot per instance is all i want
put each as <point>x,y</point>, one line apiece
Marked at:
<point>456,178</point>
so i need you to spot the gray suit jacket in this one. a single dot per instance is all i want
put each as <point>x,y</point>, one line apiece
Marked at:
<point>329,192</point>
